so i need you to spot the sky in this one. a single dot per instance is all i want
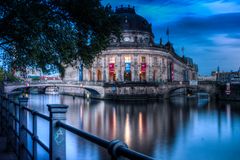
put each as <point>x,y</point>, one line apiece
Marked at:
<point>209,30</point>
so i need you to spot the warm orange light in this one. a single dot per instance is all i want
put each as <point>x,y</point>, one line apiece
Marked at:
<point>114,124</point>
<point>127,133</point>
<point>127,59</point>
<point>140,125</point>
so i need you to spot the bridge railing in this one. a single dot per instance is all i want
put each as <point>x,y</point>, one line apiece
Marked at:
<point>14,123</point>
<point>98,83</point>
<point>55,82</point>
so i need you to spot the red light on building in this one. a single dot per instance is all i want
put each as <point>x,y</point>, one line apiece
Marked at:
<point>111,68</point>
<point>143,67</point>
<point>112,75</point>
<point>172,73</point>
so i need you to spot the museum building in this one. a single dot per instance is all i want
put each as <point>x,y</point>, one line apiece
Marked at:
<point>135,57</point>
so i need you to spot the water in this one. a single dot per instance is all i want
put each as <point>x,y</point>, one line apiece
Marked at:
<point>179,129</point>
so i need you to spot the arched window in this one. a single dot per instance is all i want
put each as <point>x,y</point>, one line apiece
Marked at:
<point>142,74</point>
<point>154,75</point>
<point>111,67</point>
<point>99,75</point>
<point>127,72</point>
<point>90,75</point>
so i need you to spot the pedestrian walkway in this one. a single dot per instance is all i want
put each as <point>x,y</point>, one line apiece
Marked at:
<point>5,152</point>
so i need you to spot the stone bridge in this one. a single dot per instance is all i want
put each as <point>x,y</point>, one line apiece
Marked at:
<point>73,88</point>
<point>102,90</point>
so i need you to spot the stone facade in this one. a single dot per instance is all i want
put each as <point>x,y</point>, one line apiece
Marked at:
<point>134,57</point>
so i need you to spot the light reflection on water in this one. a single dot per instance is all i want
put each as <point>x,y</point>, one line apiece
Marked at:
<point>178,129</point>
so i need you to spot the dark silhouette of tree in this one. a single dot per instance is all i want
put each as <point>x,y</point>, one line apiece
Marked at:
<point>54,33</point>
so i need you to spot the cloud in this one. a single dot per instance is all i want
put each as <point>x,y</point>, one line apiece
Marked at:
<point>221,23</point>
<point>166,11</point>
<point>226,40</point>
<point>194,29</point>
<point>217,7</point>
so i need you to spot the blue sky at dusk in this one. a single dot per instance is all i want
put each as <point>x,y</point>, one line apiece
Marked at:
<point>209,30</point>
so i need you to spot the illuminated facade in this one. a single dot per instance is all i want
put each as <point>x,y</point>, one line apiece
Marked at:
<point>135,57</point>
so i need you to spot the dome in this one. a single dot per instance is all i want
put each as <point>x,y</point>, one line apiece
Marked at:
<point>132,21</point>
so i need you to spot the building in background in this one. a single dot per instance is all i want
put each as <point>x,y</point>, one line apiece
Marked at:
<point>207,78</point>
<point>135,57</point>
<point>36,74</point>
<point>231,77</point>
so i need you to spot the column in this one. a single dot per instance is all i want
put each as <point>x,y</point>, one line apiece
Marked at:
<point>23,101</point>
<point>57,143</point>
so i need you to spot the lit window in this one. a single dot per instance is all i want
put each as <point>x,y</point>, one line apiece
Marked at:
<point>112,60</point>
<point>127,59</point>
<point>143,59</point>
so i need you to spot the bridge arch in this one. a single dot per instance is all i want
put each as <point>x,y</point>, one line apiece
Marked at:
<point>94,93</point>
<point>16,88</point>
<point>198,88</point>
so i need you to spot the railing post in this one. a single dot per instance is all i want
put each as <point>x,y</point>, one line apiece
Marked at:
<point>35,136</point>
<point>1,112</point>
<point>8,120</point>
<point>14,127</point>
<point>22,122</point>
<point>57,135</point>
<point>4,115</point>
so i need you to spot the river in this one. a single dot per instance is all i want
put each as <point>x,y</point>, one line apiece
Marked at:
<point>178,129</point>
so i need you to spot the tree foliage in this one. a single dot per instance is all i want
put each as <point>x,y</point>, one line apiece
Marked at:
<point>54,33</point>
<point>7,76</point>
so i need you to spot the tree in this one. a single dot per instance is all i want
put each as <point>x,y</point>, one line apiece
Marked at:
<point>54,33</point>
<point>1,74</point>
<point>4,75</point>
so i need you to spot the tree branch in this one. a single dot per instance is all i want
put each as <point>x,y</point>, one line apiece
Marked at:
<point>6,42</point>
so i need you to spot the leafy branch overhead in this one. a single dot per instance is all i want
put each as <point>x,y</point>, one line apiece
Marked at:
<point>54,33</point>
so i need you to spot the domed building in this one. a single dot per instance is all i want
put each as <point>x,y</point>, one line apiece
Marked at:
<point>135,57</point>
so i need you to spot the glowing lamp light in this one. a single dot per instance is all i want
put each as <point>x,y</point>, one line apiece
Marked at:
<point>88,95</point>
<point>25,95</point>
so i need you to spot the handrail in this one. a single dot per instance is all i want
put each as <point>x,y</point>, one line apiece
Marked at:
<point>41,115</point>
<point>41,144</point>
<point>119,149</point>
<point>90,137</point>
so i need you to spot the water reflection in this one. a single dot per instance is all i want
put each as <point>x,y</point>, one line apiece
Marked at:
<point>177,129</point>
<point>140,124</point>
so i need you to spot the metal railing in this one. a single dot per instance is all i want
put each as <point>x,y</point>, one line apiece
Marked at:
<point>14,124</point>
<point>116,148</point>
